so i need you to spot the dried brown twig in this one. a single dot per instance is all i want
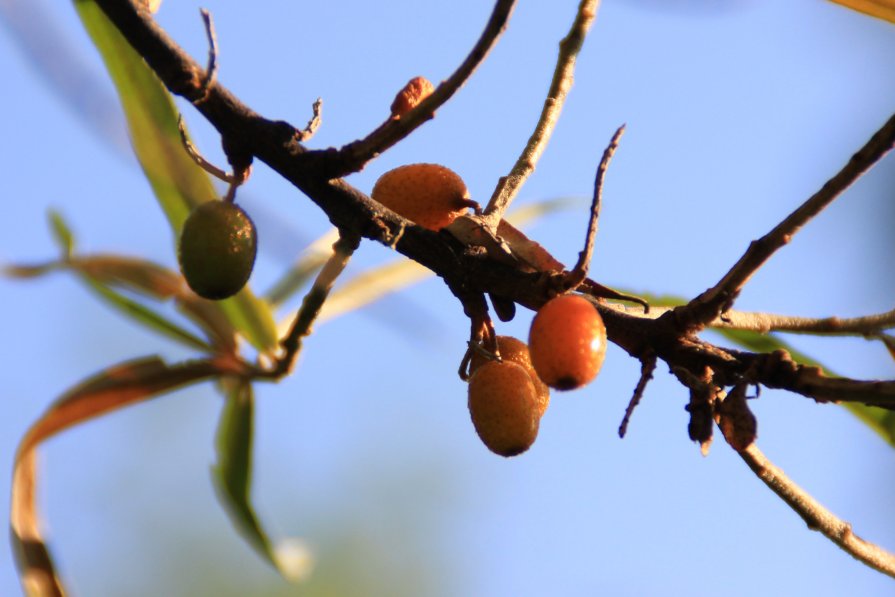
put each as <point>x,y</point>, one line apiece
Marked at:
<point>579,272</point>
<point>763,323</point>
<point>714,301</point>
<point>815,514</point>
<point>647,368</point>
<point>508,186</point>
<point>353,156</point>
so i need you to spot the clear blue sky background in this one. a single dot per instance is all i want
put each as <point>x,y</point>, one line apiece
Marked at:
<point>736,111</point>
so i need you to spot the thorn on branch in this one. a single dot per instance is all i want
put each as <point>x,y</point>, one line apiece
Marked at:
<point>592,288</point>
<point>647,367</point>
<point>313,124</point>
<point>579,273</point>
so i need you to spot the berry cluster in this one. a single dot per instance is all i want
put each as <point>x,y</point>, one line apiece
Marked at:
<point>567,342</point>
<point>507,398</point>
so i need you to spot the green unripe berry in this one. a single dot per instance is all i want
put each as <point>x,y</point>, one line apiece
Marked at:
<point>217,249</point>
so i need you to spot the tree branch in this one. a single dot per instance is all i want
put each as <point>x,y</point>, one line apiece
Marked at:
<point>563,76</point>
<point>353,156</point>
<point>817,517</point>
<point>714,301</point>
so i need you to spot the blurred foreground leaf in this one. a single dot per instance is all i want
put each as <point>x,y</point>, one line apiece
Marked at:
<point>110,389</point>
<point>178,183</point>
<point>62,233</point>
<point>881,9</point>
<point>232,474</point>
<point>103,273</point>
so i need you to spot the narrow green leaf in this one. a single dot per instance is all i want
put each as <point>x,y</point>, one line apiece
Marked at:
<point>146,316</point>
<point>178,183</point>
<point>111,389</point>
<point>253,318</point>
<point>62,233</point>
<point>151,115</point>
<point>303,270</point>
<point>232,474</point>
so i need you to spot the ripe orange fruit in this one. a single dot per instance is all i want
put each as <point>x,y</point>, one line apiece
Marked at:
<point>217,249</point>
<point>516,351</point>
<point>504,407</point>
<point>431,195</point>
<point>416,90</point>
<point>567,342</point>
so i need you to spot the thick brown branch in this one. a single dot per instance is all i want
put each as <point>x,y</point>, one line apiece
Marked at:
<point>464,268</point>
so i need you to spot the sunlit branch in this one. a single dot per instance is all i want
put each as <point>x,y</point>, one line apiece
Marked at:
<point>816,516</point>
<point>563,76</point>
<point>714,301</point>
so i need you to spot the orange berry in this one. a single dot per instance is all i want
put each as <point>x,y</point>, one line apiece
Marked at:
<point>503,407</point>
<point>431,195</point>
<point>516,351</point>
<point>416,90</point>
<point>567,342</point>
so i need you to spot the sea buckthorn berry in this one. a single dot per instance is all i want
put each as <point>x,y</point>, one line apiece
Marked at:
<point>217,249</point>
<point>567,342</point>
<point>416,90</point>
<point>504,407</point>
<point>516,351</point>
<point>431,195</point>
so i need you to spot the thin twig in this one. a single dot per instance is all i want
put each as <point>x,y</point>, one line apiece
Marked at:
<point>563,76</point>
<point>816,515</point>
<point>211,69</point>
<point>711,303</point>
<point>647,367</point>
<point>343,249</point>
<point>353,156</point>
<point>770,322</point>
<point>579,273</point>
<point>763,323</point>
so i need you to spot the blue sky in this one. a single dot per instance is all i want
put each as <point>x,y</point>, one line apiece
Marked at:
<point>736,111</point>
